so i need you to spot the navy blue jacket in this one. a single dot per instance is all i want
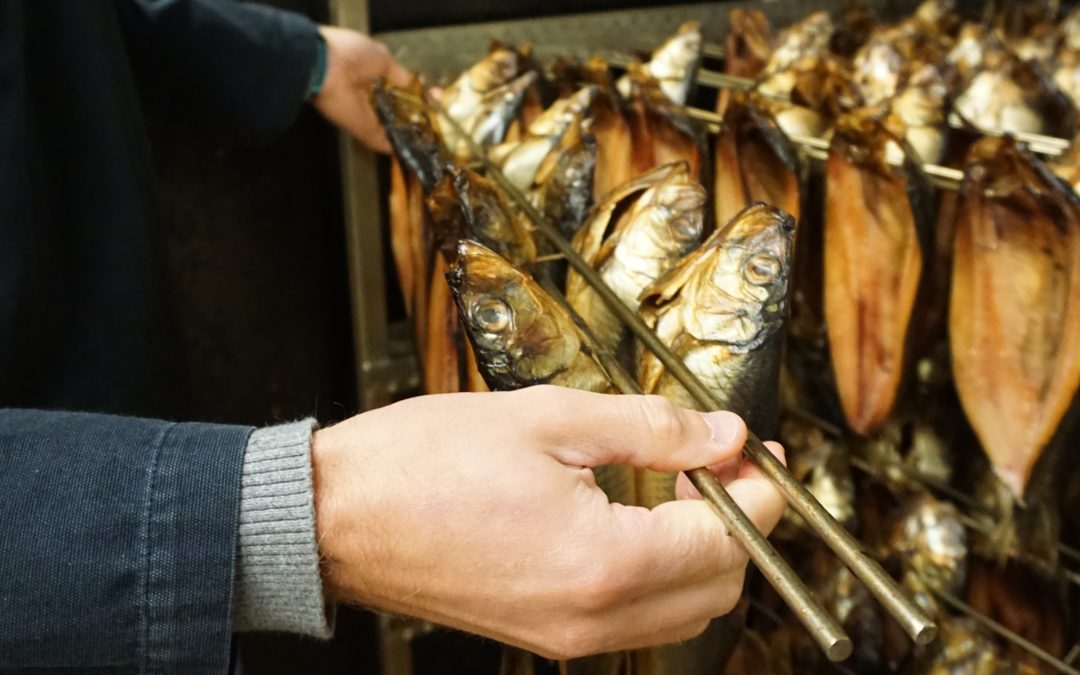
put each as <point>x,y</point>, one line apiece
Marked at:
<point>117,534</point>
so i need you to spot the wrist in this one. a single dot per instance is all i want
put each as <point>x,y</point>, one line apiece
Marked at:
<point>318,71</point>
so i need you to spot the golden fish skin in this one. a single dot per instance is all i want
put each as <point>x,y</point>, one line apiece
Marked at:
<point>755,161</point>
<point>748,43</point>
<point>723,310</point>
<point>660,131</point>
<point>663,223</point>
<point>873,265</point>
<point>441,361</point>
<point>521,336</point>
<point>1014,317</point>
<point>485,215</point>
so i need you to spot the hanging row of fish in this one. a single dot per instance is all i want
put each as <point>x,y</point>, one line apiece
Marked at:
<point>885,273</point>
<point>914,310</point>
<point>615,165</point>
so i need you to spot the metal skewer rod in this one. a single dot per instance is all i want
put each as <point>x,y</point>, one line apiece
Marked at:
<point>824,629</point>
<point>962,607</point>
<point>820,624</point>
<point>818,148</point>
<point>1040,143</point>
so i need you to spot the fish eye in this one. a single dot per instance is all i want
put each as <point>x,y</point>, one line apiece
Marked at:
<point>491,314</point>
<point>762,268</point>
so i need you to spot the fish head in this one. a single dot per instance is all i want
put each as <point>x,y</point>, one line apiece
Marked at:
<point>878,65</point>
<point>407,119</point>
<point>491,118</point>
<point>494,70</point>
<point>758,244</point>
<point>749,42</point>
<point>734,289</point>
<point>809,37</point>
<point>929,535</point>
<point>674,63</point>
<point>489,218</point>
<point>519,335</point>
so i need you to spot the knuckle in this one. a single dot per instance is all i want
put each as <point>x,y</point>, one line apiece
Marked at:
<point>662,418</point>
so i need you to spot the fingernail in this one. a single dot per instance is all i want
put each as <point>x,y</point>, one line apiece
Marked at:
<point>726,426</point>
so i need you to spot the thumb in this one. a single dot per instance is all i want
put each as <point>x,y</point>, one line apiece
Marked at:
<point>586,429</point>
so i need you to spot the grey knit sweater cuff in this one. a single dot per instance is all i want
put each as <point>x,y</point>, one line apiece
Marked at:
<point>278,587</point>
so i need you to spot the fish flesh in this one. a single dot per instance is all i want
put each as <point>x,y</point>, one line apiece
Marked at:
<point>875,240</point>
<point>755,161</point>
<point>663,222</point>
<point>1014,311</point>
<point>723,310</point>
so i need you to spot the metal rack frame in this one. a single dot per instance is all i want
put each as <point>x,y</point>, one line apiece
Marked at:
<point>385,364</point>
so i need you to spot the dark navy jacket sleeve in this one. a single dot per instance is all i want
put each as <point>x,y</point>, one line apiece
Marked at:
<point>117,542</point>
<point>237,66</point>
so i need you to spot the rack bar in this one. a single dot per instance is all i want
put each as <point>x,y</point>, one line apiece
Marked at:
<point>818,148</point>
<point>1035,650</point>
<point>979,525</point>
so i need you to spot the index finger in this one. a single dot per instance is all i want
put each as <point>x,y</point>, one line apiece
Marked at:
<point>683,542</point>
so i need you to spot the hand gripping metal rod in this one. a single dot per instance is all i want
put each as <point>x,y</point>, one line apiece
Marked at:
<point>823,627</point>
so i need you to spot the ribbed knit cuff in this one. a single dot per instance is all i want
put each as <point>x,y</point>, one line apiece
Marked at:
<point>278,587</point>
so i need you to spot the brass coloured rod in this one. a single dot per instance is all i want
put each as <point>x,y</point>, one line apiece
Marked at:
<point>835,643</point>
<point>818,148</point>
<point>1040,143</point>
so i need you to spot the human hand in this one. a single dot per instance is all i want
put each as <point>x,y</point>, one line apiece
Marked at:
<point>353,62</point>
<point>480,512</point>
